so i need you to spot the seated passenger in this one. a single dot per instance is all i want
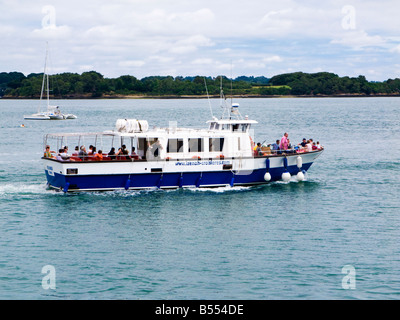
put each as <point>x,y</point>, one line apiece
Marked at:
<point>76,152</point>
<point>134,155</point>
<point>64,155</point>
<point>90,152</point>
<point>98,156</point>
<point>47,152</point>
<point>275,146</point>
<point>303,143</point>
<point>257,149</point>
<point>308,146</point>
<point>93,151</point>
<point>122,153</point>
<point>125,152</point>
<point>319,147</point>
<point>289,149</point>
<point>111,154</point>
<point>58,157</point>
<point>82,153</point>
<point>314,146</point>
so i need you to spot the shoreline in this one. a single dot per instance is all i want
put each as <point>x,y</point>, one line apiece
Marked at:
<point>133,97</point>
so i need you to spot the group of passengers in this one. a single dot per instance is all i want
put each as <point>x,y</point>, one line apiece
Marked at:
<point>285,146</point>
<point>61,155</point>
<point>81,154</point>
<point>122,154</point>
<point>310,145</point>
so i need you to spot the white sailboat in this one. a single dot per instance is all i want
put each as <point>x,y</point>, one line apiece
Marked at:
<point>53,112</point>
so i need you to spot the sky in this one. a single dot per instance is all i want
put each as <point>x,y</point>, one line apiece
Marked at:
<point>202,37</point>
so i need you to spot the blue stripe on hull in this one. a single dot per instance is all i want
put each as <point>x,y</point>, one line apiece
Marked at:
<point>165,180</point>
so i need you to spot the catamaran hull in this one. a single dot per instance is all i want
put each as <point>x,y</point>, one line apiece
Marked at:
<point>45,117</point>
<point>37,117</point>
<point>136,175</point>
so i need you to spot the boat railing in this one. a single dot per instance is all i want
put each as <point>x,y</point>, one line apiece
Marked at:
<point>130,158</point>
<point>297,150</point>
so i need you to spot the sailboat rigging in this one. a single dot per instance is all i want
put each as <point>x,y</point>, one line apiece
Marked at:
<point>53,112</point>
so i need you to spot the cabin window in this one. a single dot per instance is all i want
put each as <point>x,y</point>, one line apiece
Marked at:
<point>149,148</point>
<point>175,145</point>
<point>196,145</point>
<point>235,127</point>
<point>216,144</point>
<point>226,126</point>
<point>244,127</point>
<point>141,147</point>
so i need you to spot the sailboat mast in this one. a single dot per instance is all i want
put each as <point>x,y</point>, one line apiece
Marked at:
<point>48,97</point>
<point>43,82</point>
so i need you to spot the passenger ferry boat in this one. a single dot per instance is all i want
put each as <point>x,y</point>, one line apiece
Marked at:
<point>220,155</point>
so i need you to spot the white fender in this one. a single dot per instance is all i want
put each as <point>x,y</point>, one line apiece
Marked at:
<point>300,176</point>
<point>286,176</point>
<point>299,162</point>
<point>267,176</point>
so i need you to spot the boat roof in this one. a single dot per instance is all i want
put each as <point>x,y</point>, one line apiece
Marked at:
<point>232,121</point>
<point>79,134</point>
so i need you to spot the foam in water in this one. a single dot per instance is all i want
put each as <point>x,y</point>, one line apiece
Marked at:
<point>22,188</point>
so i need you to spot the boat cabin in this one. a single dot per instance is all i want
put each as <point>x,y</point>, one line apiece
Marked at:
<point>231,125</point>
<point>224,138</point>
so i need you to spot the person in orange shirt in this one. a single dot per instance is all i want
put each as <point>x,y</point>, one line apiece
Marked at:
<point>98,156</point>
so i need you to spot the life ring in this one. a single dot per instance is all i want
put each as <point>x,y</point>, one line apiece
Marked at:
<point>196,157</point>
<point>221,156</point>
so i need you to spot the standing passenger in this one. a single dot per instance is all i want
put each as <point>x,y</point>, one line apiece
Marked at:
<point>284,142</point>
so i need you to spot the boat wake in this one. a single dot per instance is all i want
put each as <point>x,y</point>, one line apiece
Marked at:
<point>23,189</point>
<point>219,189</point>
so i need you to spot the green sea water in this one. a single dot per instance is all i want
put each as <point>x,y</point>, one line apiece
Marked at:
<point>293,240</point>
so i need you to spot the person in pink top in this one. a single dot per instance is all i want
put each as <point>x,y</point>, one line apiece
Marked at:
<point>284,142</point>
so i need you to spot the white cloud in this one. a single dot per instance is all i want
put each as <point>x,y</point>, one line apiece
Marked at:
<point>271,59</point>
<point>190,44</point>
<point>52,32</point>
<point>276,22</point>
<point>132,63</point>
<point>188,37</point>
<point>203,61</point>
<point>359,39</point>
<point>84,68</point>
<point>396,49</point>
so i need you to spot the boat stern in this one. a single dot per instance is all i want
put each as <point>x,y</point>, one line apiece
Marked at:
<point>55,178</point>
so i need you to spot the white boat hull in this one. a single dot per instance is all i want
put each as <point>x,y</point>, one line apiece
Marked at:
<point>37,117</point>
<point>113,175</point>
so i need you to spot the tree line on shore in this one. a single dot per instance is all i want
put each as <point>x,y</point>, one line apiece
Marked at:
<point>94,85</point>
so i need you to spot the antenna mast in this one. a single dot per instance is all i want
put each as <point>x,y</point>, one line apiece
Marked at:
<point>208,97</point>
<point>231,84</point>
